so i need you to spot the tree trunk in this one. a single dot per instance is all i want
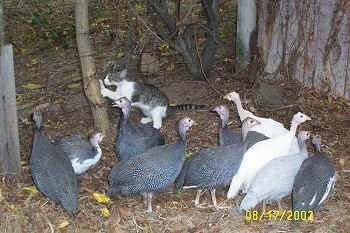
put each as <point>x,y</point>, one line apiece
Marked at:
<point>308,41</point>
<point>91,86</point>
<point>246,23</point>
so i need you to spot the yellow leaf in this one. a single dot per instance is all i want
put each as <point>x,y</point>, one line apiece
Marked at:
<point>73,85</point>
<point>105,212</point>
<point>120,55</point>
<point>34,61</point>
<point>172,105</point>
<point>163,46</point>
<point>189,154</point>
<point>31,189</point>
<point>342,162</point>
<point>101,198</point>
<point>63,224</point>
<point>31,86</point>
<point>171,67</point>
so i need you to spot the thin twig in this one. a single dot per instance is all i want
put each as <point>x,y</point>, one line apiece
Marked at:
<point>202,70</point>
<point>140,19</point>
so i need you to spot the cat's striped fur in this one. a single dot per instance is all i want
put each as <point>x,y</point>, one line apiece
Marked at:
<point>149,99</point>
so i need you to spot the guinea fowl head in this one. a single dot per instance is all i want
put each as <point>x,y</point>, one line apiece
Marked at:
<point>302,137</point>
<point>223,113</point>
<point>96,139</point>
<point>247,125</point>
<point>316,141</point>
<point>184,125</point>
<point>124,104</point>
<point>232,96</point>
<point>299,118</point>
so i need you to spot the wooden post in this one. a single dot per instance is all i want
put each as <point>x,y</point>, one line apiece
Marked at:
<point>9,140</point>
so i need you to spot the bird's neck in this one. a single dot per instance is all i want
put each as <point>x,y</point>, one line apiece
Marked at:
<point>99,151</point>
<point>317,147</point>
<point>293,128</point>
<point>224,120</point>
<point>243,114</point>
<point>126,113</point>
<point>182,133</point>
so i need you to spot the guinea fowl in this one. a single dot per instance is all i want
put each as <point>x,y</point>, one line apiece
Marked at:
<point>52,171</point>
<point>314,181</point>
<point>226,135</point>
<point>151,171</point>
<point>134,137</point>
<point>275,180</point>
<point>268,126</point>
<point>82,154</point>
<point>214,167</point>
<point>261,153</point>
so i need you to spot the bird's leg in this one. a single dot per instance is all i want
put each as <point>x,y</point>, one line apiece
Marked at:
<point>149,202</point>
<point>264,205</point>
<point>144,198</point>
<point>198,196</point>
<point>279,205</point>
<point>213,198</point>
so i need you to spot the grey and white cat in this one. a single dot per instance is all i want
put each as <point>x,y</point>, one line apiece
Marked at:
<point>149,99</point>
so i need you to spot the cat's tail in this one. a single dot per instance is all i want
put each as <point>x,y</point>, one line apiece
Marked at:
<point>185,107</point>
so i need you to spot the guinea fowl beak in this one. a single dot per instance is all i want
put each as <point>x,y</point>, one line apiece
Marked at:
<point>308,118</point>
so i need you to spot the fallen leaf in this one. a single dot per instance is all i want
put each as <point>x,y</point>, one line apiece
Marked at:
<point>31,189</point>
<point>63,224</point>
<point>31,86</point>
<point>101,198</point>
<point>342,162</point>
<point>73,85</point>
<point>187,155</point>
<point>105,212</point>
<point>171,67</point>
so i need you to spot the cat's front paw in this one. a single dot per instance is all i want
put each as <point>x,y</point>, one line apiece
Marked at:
<point>102,88</point>
<point>106,81</point>
<point>145,120</point>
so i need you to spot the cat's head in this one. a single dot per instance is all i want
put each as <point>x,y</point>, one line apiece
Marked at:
<point>113,77</point>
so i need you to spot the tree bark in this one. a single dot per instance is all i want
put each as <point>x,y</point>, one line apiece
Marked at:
<point>307,41</point>
<point>246,23</point>
<point>91,85</point>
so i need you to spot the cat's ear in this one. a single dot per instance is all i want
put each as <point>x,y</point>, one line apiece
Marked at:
<point>123,73</point>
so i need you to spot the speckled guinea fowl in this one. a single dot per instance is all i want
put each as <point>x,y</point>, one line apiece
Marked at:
<point>214,167</point>
<point>81,153</point>
<point>52,171</point>
<point>151,171</point>
<point>275,180</point>
<point>227,136</point>
<point>314,181</point>
<point>134,137</point>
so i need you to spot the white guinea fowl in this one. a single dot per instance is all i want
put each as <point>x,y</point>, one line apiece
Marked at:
<point>269,127</point>
<point>261,153</point>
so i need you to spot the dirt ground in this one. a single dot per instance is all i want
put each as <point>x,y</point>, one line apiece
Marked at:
<point>57,71</point>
